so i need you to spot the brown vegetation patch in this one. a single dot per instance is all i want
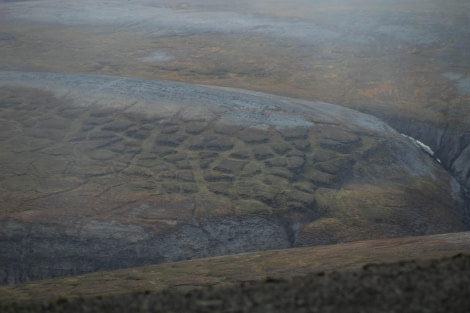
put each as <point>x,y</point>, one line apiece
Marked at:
<point>241,154</point>
<point>222,188</point>
<point>290,133</point>
<point>170,140</point>
<point>276,162</point>
<point>212,176</point>
<point>281,147</point>
<point>230,166</point>
<point>262,152</point>
<point>195,127</point>
<point>253,136</point>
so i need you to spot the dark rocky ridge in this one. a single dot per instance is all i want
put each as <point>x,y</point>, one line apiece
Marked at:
<point>103,172</point>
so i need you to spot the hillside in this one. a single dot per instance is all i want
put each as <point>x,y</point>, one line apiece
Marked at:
<point>106,172</point>
<point>404,62</point>
<point>433,286</point>
<point>142,132</point>
<point>251,267</point>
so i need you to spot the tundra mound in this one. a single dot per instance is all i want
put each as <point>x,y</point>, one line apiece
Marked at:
<point>102,172</point>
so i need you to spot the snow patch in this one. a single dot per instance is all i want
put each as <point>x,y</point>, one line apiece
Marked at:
<point>422,146</point>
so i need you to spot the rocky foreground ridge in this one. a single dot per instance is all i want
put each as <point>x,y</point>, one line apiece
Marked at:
<point>102,172</point>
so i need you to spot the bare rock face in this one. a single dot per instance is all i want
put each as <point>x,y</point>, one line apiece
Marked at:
<point>101,173</point>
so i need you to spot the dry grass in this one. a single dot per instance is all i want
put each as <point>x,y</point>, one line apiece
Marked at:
<point>227,270</point>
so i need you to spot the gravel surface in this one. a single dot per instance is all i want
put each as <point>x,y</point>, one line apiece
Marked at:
<point>424,286</point>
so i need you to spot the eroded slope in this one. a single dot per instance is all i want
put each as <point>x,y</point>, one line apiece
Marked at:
<point>102,172</point>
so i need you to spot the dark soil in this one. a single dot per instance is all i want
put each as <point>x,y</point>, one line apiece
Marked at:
<point>421,286</point>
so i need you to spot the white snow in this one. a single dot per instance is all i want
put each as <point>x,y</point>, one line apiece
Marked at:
<point>422,146</point>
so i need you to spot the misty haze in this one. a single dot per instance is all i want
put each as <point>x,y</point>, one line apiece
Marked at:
<point>310,133</point>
